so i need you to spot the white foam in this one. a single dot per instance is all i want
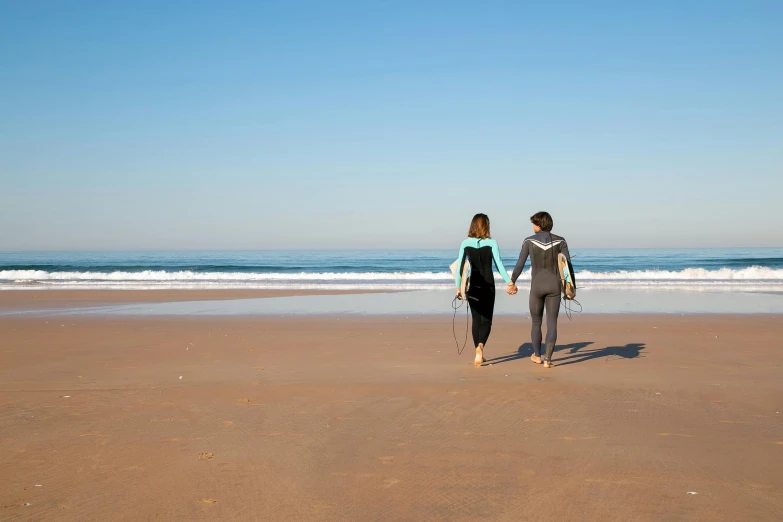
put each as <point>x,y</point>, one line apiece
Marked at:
<point>691,277</point>
<point>187,275</point>
<point>753,273</point>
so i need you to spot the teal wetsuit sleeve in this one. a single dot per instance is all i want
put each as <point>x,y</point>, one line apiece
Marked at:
<point>461,262</point>
<point>523,254</point>
<point>499,262</point>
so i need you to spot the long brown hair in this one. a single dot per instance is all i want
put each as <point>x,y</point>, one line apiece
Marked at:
<point>479,227</point>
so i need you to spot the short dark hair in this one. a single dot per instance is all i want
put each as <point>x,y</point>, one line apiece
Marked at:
<point>542,220</point>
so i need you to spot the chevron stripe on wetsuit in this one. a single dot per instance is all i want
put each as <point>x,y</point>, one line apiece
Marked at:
<point>481,294</point>
<point>543,248</point>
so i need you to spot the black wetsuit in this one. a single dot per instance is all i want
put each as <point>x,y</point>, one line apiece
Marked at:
<point>481,294</point>
<point>543,248</point>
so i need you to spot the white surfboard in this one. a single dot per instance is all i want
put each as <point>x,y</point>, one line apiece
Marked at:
<point>567,281</point>
<point>465,284</point>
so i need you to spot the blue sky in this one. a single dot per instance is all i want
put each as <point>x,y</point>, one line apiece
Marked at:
<point>389,124</point>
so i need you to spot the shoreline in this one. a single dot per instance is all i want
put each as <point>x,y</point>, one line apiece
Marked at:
<point>62,298</point>
<point>400,303</point>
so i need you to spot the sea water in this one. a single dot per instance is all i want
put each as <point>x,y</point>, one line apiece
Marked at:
<point>757,269</point>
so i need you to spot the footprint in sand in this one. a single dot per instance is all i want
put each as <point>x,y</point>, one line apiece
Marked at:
<point>208,501</point>
<point>228,424</point>
<point>205,456</point>
<point>389,482</point>
<point>244,400</point>
<point>386,460</point>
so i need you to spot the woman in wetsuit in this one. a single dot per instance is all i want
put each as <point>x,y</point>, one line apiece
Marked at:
<point>542,248</point>
<point>480,250</point>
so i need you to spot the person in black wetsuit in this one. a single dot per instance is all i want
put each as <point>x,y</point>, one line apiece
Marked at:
<point>480,250</point>
<point>542,248</point>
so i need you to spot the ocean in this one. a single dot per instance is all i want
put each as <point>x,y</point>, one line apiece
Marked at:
<point>759,269</point>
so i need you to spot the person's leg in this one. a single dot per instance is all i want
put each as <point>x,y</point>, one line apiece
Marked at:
<point>487,311</point>
<point>482,304</point>
<point>480,300</point>
<point>478,327</point>
<point>475,322</point>
<point>536,303</point>
<point>552,311</point>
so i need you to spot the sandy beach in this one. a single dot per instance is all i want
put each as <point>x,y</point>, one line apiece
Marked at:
<point>241,245</point>
<point>645,417</point>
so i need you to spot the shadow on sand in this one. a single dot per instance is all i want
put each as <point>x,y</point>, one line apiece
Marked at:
<point>629,351</point>
<point>526,350</point>
<point>576,353</point>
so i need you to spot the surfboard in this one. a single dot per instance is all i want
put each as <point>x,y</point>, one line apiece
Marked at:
<point>465,283</point>
<point>567,280</point>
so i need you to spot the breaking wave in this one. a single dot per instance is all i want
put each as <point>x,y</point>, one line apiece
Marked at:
<point>750,276</point>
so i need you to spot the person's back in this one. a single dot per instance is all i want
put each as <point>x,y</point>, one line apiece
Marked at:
<point>480,253</point>
<point>543,248</point>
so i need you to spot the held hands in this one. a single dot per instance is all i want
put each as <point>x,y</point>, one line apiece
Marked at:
<point>511,289</point>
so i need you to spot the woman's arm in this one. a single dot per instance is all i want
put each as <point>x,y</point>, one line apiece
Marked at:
<point>521,262</point>
<point>499,262</point>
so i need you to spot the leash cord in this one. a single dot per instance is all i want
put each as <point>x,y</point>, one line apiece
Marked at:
<point>456,307</point>
<point>569,307</point>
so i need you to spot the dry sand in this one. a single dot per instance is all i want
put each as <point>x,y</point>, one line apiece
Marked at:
<point>350,418</point>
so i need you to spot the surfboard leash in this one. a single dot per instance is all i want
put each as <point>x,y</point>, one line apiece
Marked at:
<point>456,307</point>
<point>569,307</point>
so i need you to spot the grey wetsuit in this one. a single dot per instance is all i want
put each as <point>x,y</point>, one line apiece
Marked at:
<point>543,248</point>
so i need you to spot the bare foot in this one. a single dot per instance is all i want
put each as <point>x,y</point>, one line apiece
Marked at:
<point>548,364</point>
<point>536,359</point>
<point>479,356</point>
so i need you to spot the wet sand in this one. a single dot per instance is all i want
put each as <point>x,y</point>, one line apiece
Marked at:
<point>373,418</point>
<point>44,299</point>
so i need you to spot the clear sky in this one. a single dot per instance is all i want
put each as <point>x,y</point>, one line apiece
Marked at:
<point>388,124</point>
